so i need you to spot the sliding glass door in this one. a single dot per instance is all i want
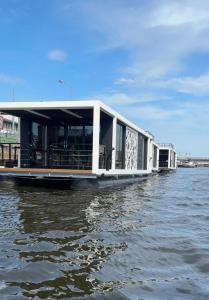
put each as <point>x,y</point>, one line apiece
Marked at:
<point>38,157</point>
<point>70,146</point>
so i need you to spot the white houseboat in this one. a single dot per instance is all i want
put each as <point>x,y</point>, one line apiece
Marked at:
<point>79,142</point>
<point>167,157</point>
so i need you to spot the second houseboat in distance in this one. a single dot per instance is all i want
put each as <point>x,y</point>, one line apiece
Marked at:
<point>167,157</point>
<point>78,141</point>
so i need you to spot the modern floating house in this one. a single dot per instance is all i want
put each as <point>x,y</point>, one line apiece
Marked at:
<point>80,142</point>
<point>167,157</point>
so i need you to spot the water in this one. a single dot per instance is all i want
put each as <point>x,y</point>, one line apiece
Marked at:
<point>148,240</point>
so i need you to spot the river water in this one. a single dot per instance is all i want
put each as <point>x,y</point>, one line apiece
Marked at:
<point>147,240</point>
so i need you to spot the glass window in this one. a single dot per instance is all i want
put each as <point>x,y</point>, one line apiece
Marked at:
<point>120,146</point>
<point>163,158</point>
<point>56,136</point>
<point>80,137</point>
<point>37,137</point>
<point>38,154</point>
<point>154,156</point>
<point>142,152</point>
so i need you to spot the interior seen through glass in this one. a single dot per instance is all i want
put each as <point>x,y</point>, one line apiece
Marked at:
<point>61,145</point>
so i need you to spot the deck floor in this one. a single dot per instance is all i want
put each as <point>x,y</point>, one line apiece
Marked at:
<point>43,170</point>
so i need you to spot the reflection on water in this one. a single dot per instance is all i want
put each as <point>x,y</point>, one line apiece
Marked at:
<point>148,240</point>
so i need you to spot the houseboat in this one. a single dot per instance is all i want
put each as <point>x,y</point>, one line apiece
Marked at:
<point>167,157</point>
<point>82,143</point>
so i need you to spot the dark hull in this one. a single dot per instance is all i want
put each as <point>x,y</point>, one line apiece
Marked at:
<point>76,183</point>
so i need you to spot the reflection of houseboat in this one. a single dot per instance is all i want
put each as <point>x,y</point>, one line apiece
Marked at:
<point>167,157</point>
<point>78,140</point>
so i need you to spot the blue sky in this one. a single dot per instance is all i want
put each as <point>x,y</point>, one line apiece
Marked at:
<point>147,59</point>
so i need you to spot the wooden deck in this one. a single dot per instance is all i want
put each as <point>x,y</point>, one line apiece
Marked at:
<point>46,173</point>
<point>43,170</point>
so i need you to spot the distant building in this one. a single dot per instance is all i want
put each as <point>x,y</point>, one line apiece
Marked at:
<point>8,129</point>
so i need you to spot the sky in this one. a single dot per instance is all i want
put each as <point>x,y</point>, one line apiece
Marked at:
<point>149,60</point>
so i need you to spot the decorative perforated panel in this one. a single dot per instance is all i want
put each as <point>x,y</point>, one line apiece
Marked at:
<point>131,149</point>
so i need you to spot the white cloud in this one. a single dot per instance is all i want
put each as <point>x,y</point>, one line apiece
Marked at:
<point>124,99</point>
<point>57,55</point>
<point>4,78</point>
<point>198,86</point>
<point>157,35</point>
<point>117,98</point>
<point>124,81</point>
<point>154,113</point>
<point>172,14</point>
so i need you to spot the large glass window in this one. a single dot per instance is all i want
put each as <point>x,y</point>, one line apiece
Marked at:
<point>66,136</point>
<point>105,141</point>
<point>38,153</point>
<point>70,146</point>
<point>163,158</point>
<point>56,136</point>
<point>79,144</point>
<point>120,146</point>
<point>172,159</point>
<point>80,137</point>
<point>37,135</point>
<point>142,152</point>
<point>154,156</point>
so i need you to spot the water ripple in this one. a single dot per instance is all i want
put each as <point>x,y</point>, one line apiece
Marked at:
<point>148,240</point>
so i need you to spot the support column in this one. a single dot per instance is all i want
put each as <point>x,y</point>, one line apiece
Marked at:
<point>19,141</point>
<point>114,133</point>
<point>96,132</point>
<point>158,158</point>
<point>149,155</point>
<point>45,146</point>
